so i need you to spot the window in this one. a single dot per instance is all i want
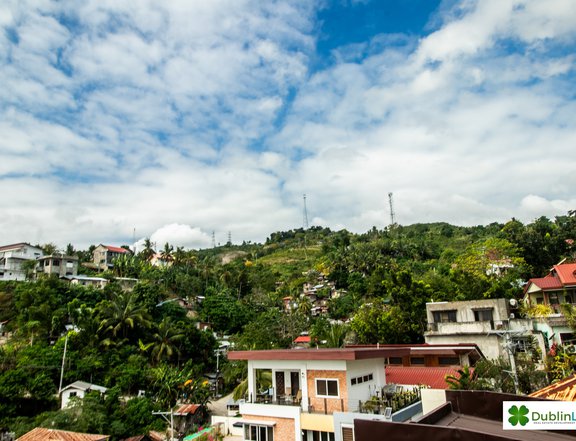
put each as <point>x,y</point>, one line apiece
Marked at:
<point>448,361</point>
<point>347,434</point>
<point>395,360</point>
<point>444,316</point>
<point>314,435</point>
<point>253,432</point>
<point>327,387</point>
<point>361,379</point>
<point>553,299</point>
<point>55,263</point>
<point>73,394</point>
<point>416,360</point>
<point>483,315</point>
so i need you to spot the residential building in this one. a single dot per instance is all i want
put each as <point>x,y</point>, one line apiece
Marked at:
<point>96,282</point>
<point>314,393</point>
<point>12,258</point>
<point>557,288</point>
<point>427,364</point>
<point>492,324</point>
<point>78,389</point>
<point>58,264</point>
<point>104,255</point>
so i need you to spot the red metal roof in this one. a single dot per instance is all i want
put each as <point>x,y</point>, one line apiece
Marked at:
<point>41,434</point>
<point>548,282</point>
<point>116,249</point>
<point>567,273</point>
<point>302,339</point>
<point>430,376</point>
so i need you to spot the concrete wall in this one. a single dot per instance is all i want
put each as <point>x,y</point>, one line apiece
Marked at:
<point>431,399</point>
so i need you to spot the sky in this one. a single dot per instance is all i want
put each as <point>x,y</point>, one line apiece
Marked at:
<point>180,119</point>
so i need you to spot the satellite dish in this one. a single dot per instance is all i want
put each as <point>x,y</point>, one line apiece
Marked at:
<point>513,303</point>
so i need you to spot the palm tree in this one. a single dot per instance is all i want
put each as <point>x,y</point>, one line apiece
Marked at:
<point>336,335</point>
<point>305,306</point>
<point>166,254</point>
<point>122,314</point>
<point>147,252</point>
<point>466,379</point>
<point>165,340</point>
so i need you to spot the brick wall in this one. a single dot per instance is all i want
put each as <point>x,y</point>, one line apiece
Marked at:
<point>332,404</point>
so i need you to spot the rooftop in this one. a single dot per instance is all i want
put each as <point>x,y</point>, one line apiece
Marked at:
<point>564,390</point>
<point>42,434</point>
<point>320,354</point>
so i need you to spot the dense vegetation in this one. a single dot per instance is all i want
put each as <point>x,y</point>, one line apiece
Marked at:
<point>144,339</point>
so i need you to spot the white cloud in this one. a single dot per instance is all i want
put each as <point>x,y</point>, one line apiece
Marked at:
<point>164,118</point>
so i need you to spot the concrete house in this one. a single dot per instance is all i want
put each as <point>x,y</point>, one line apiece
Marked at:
<point>78,389</point>
<point>492,324</point>
<point>104,255</point>
<point>315,393</point>
<point>58,264</point>
<point>12,258</point>
<point>557,288</point>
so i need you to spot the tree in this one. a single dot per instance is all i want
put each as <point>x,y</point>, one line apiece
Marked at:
<point>165,340</point>
<point>466,379</point>
<point>148,251</point>
<point>122,314</point>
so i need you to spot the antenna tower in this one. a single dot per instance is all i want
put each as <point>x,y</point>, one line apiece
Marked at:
<point>229,238</point>
<point>392,214</point>
<point>305,214</point>
<point>213,239</point>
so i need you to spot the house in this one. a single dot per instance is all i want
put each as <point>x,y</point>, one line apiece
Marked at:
<point>42,434</point>
<point>13,257</point>
<point>96,282</point>
<point>490,323</point>
<point>309,394</point>
<point>427,365</point>
<point>58,264</point>
<point>465,415</point>
<point>78,389</point>
<point>104,255</point>
<point>558,287</point>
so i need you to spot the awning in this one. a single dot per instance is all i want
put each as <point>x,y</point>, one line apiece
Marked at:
<point>240,423</point>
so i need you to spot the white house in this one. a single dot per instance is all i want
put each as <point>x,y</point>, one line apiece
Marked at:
<point>12,258</point>
<point>312,391</point>
<point>78,389</point>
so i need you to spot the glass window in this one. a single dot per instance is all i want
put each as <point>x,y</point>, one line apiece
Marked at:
<point>483,315</point>
<point>444,316</point>
<point>327,387</point>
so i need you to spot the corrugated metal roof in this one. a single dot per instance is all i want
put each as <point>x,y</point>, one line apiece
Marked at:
<point>41,434</point>
<point>187,409</point>
<point>429,376</point>
<point>566,273</point>
<point>564,390</point>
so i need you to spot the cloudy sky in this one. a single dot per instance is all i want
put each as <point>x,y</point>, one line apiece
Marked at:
<point>178,118</point>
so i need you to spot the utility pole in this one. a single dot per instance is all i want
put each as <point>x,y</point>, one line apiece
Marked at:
<point>305,214</point>
<point>392,214</point>
<point>169,421</point>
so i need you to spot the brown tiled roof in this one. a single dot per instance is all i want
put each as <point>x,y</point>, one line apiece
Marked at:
<point>564,390</point>
<point>41,434</point>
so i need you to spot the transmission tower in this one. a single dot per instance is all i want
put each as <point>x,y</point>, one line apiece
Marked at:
<point>229,238</point>
<point>305,214</point>
<point>392,215</point>
<point>213,239</point>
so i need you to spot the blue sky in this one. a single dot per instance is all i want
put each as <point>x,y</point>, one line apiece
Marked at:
<point>180,118</point>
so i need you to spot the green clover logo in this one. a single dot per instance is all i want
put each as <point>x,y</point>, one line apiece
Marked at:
<point>518,415</point>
